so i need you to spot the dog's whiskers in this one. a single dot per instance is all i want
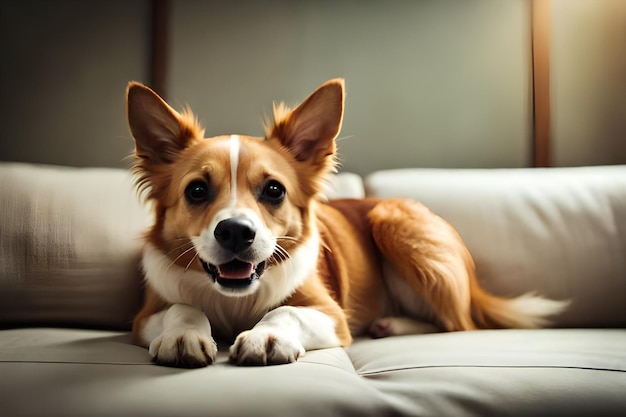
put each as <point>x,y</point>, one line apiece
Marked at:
<point>183,254</point>
<point>193,258</point>
<point>179,247</point>
<point>293,239</point>
<point>280,254</point>
<point>342,138</point>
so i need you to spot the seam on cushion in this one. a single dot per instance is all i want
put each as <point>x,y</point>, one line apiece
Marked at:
<point>583,368</point>
<point>79,362</point>
<point>351,371</point>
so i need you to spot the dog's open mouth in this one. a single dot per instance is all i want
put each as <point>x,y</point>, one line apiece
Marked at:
<point>234,274</point>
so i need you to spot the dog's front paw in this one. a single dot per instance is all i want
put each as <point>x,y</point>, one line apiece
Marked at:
<point>265,347</point>
<point>184,348</point>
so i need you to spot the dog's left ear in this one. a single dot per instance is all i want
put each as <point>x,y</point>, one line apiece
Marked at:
<point>309,130</point>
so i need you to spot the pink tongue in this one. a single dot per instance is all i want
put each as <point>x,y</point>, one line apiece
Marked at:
<point>236,270</point>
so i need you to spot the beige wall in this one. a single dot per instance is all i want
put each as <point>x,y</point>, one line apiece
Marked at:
<point>589,82</point>
<point>430,83</point>
<point>442,83</point>
<point>63,73</point>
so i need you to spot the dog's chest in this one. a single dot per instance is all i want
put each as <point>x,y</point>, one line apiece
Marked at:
<point>231,316</point>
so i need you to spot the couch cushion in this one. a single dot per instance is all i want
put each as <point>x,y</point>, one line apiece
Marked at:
<point>558,231</point>
<point>345,185</point>
<point>69,372</point>
<point>555,372</point>
<point>69,246</point>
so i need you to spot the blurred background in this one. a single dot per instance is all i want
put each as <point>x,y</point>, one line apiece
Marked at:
<point>430,83</point>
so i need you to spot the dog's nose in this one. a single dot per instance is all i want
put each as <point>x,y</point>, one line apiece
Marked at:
<point>235,234</point>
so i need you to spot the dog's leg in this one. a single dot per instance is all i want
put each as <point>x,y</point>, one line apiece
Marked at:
<point>283,335</point>
<point>430,256</point>
<point>179,336</point>
<point>309,319</point>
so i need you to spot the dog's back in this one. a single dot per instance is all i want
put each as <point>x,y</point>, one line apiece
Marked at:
<point>401,260</point>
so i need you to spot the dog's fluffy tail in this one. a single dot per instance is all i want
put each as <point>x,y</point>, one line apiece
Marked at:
<point>429,254</point>
<point>528,311</point>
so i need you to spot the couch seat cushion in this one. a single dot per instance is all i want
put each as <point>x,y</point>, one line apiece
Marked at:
<point>499,372</point>
<point>74,372</point>
<point>69,372</point>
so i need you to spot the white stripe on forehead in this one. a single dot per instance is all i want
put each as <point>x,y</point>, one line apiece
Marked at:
<point>234,164</point>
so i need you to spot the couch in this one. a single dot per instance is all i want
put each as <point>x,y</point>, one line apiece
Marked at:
<point>70,284</point>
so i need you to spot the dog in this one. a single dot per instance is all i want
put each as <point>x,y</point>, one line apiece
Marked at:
<point>245,249</point>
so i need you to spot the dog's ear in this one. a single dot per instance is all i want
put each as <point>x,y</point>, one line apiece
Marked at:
<point>160,132</point>
<point>309,130</point>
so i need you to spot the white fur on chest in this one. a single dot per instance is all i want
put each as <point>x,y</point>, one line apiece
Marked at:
<point>229,315</point>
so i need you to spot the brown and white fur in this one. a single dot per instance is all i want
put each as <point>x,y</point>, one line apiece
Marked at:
<point>244,248</point>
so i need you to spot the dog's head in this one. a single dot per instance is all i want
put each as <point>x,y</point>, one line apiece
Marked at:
<point>234,206</point>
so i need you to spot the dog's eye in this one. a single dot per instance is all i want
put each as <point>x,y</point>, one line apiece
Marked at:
<point>273,192</point>
<point>197,192</point>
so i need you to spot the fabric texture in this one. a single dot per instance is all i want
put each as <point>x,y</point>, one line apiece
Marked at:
<point>559,232</point>
<point>577,372</point>
<point>70,241</point>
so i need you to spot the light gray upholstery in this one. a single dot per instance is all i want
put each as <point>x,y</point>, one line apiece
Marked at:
<point>573,372</point>
<point>68,251</point>
<point>69,246</point>
<point>560,232</point>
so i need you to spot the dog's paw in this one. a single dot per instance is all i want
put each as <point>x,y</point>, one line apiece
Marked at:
<point>184,348</point>
<point>397,326</point>
<point>265,347</point>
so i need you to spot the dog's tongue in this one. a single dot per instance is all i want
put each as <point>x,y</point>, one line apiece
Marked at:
<point>236,270</point>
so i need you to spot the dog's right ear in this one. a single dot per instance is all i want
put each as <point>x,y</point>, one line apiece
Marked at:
<point>160,132</point>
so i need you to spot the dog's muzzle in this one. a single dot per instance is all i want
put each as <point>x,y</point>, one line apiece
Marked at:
<point>235,235</point>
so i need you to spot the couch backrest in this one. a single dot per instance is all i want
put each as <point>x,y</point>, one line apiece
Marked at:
<point>70,244</point>
<point>560,231</point>
<point>70,238</point>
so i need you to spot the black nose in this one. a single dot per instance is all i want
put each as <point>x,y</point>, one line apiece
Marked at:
<point>235,234</point>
